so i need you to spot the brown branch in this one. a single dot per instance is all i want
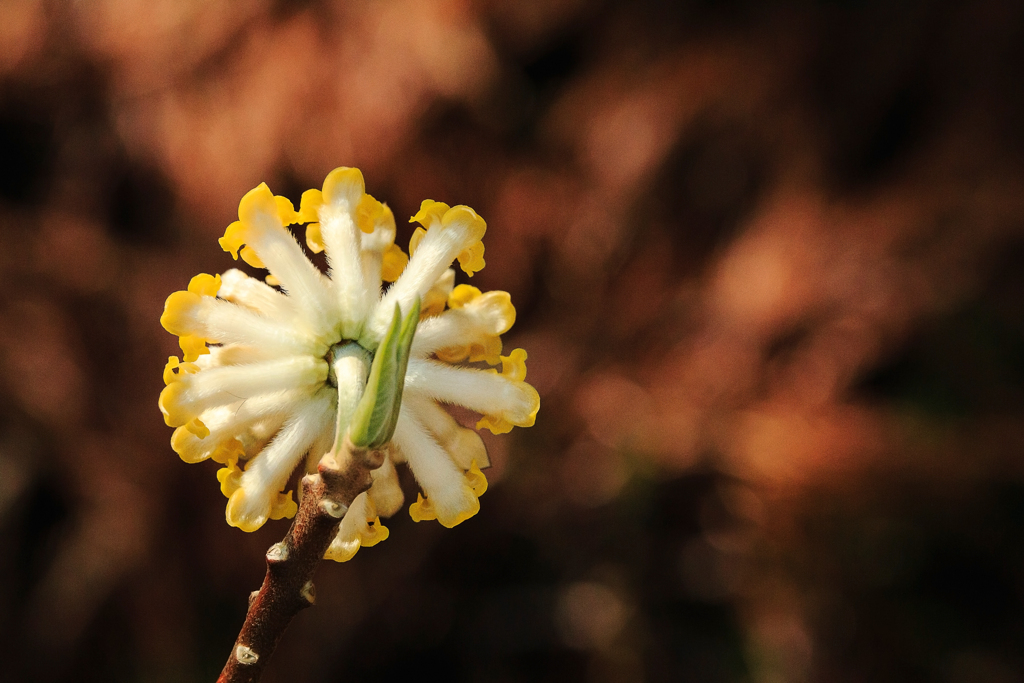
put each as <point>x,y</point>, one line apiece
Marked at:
<point>288,586</point>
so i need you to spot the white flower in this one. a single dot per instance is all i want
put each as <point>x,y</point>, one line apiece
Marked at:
<point>288,366</point>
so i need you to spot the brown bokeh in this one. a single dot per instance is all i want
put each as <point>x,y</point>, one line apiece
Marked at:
<point>768,262</point>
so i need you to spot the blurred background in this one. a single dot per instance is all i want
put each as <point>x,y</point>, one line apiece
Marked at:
<point>767,261</point>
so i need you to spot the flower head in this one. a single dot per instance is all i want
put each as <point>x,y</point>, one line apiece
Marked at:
<point>272,371</point>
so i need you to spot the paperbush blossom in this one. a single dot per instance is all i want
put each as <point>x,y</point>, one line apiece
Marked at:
<point>272,371</point>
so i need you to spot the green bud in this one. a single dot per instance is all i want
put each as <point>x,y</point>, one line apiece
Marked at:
<point>375,417</point>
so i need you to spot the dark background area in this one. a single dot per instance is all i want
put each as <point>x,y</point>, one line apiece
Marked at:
<point>767,262</point>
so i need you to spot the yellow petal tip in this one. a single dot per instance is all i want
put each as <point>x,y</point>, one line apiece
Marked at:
<point>240,512</point>
<point>422,510</point>
<point>283,506</point>
<point>393,263</point>
<point>373,534</point>
<point>344,183</point>
<point>430,211</point>
<point>476,480</point>
<point>462,515</point>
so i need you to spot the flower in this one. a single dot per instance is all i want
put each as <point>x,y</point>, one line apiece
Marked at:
<point>272,371</point>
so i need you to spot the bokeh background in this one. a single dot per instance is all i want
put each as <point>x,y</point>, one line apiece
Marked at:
<point>767,261</point>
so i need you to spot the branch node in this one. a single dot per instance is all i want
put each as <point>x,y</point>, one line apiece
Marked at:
<point>309,484</point>
<point>333,508</point>
<point>245,655</point>
<point>252,597</point>
<point>278,552</point>
<point>329,463</point>
<point>308,592</point>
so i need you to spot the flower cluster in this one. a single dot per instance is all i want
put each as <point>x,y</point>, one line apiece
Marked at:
<point>272,371</point>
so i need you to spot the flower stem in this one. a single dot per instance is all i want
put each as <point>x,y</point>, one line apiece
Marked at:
<point>288,586</point>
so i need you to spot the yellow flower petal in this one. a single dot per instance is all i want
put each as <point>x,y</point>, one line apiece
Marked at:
<point>286,210</point>
<point>233,239</point>
<point>471,260</point>
<point>513,365</point>
<point>314,238</point>
<point>465,215</point>
<point>182,368</point>
<point>422,510</point>
<point>246,512</point>
<point>283,506</point>
<point>488,351</point>
<point>361,527</point>
<point>460,516</point>
<point>249,256</point>
<point>414,241</point>
<point>476,480</point>
<point>453,354</point>
<point>191,448</point>
<point>394,262</point>
<point>373,534</point>
<point>344,183</point>
<point>169,370</point>
<point>196,426</point>
<point>230,478</point>
<point>497,425</point>
<point>192,346</point>
<point>462,295</point>
<point>179,312</point>
<point>228,452</point>
<point>342,551</point>
<point>309,206</point>
<point>204,284</point>
<point>368,213</point>
<point>256,205</point>
<point>176,414</point>
<point>180,442</point>
<point>430,212</point>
